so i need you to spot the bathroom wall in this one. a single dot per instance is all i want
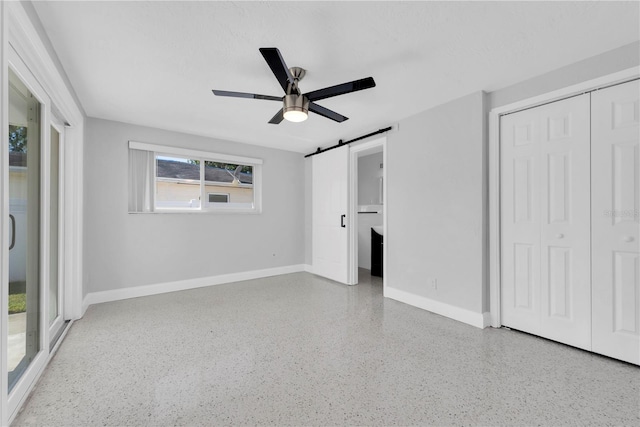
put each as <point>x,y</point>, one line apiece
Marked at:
<point>369,174</point>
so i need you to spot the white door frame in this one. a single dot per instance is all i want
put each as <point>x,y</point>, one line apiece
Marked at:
<point>354,151</point>
<point>58,322</point>
<point>18,34</point>
<point>494,169</point>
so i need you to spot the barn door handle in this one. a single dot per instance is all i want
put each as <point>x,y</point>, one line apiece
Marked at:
<point>559,236</point>
<point>342,217</point>
<point>627,239</point>
<point>13,231</point>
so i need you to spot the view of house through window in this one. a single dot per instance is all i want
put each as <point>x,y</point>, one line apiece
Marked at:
<point>177,182</point>
<point>218,198</point>
<point>184,183</point>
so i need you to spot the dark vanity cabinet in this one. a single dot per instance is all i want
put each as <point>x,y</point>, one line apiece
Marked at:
<point>376,253</point>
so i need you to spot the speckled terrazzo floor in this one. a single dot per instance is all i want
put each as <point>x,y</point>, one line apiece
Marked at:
<point>301,350</point>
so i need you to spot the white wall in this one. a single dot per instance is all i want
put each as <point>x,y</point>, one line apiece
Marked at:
<point>436,215</point>
<point>126,250</point>
<point>615,60</point>
<point>369,174</point>
<point>437,171</point>
<point>442,233</point>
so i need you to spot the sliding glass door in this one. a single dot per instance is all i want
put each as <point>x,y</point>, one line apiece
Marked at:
<point>40,207</point>
<point>35,280</point>
<point>25,153</point>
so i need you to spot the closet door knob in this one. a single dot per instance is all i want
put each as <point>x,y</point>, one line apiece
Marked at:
<point>627,239</point>
<point>559,236</point>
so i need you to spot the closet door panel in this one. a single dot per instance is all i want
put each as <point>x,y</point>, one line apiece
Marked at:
<point>545,221</point>
<point>565,302</point>
<point>615,224</point>
<point>520,216</point>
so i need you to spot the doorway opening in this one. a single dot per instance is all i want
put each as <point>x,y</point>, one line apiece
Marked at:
<point>367,211</point>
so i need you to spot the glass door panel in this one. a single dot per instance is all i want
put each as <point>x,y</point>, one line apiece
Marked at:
<point>24,211</point>
<point>55,290</point>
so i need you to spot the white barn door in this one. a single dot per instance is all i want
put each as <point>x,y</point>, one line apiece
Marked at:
<point>545,215</point>
<point>616,226</point>
<point>330,201</point>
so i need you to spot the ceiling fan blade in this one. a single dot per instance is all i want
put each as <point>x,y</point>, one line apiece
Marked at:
<point>245,95</point>
<point>275,120</point>
<point>325,112</point>
<point>341,89</point>
<point>276,63</point>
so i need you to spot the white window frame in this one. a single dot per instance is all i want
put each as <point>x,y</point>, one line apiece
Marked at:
<point>203,156</point>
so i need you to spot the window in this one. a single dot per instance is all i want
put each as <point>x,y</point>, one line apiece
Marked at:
<point>169,179</point>
<point>218,198</point>
<point>177,182</point>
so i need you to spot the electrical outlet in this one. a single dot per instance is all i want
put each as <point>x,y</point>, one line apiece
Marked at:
<point>433,283</point>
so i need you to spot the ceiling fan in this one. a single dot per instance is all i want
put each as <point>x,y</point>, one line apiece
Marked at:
<point>296,105</point>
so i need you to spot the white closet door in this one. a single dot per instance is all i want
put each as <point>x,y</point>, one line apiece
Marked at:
<point>565,279</point>
<point>330,197</point>
<point>520,217</point>
<point>615,227</point>
<point>545,221</point>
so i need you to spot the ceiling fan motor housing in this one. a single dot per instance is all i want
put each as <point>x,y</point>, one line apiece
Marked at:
<point>296,106</point>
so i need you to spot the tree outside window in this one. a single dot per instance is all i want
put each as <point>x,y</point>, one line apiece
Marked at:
<point>17,139</point>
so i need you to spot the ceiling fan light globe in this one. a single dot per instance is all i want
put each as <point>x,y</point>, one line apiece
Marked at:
<point>295,116</point>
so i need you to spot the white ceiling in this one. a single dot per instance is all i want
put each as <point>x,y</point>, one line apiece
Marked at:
<point>155,63</point>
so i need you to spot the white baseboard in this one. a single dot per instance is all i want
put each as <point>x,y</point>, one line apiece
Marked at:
<point>308,268</point>
<point>182,285</point>
<point>479,320</point>
<point>486,316</point>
